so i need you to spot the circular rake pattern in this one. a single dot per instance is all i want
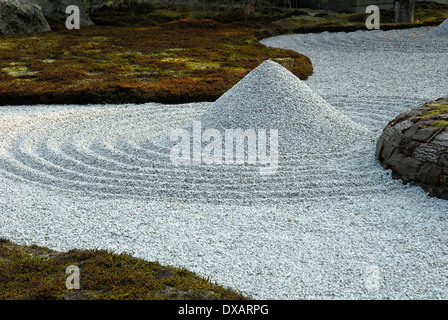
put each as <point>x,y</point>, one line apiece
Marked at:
<point>113,152</point>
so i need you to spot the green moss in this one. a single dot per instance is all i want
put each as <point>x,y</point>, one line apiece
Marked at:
<point>436,109</point>
<point>39,273</point>
<point>439,123</point>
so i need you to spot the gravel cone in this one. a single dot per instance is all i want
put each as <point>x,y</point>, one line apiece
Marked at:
<point>271,97</point>
<point>440,31</point>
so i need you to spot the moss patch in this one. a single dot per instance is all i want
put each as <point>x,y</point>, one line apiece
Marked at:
<point>39,273</point>
<point>436,109</point>
<point>439,123</point>
<point>174,62</point>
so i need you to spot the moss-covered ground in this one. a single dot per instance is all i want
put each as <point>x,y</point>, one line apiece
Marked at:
<point>165,54</point>
<point>37,273</point>
<point>173,62</point>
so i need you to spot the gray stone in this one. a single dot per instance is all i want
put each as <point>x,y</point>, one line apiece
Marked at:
<point>403,125</point>
<point>407,146</point>
<point>444,159</point>
<point>396,138</point>
<point>395,159</point>
<point>54,10</point>
<point>442,139</point>
<point>388,132</point>
<point>421,156</point>
<point>424,134</point>
<point>424,171</point>
<point>432,178</point>
<point>428,152</point>
<point>387,149</point>
<point>379,146</point>
<point>410,133</point>
<point>21,17</point>
<point>409,168</point>
<point>442,136</point>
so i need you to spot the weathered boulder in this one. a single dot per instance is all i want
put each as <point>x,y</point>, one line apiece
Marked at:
<point>54,10</point>
<point>415,146</point>
<point>21,17</point>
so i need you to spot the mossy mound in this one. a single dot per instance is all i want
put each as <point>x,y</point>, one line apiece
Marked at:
<point>415,146</point>
<point>37,273</point>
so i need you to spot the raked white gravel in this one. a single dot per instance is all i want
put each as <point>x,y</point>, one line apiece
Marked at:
<point>327,225</point>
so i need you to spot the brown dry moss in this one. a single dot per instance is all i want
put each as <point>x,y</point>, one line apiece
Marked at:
<point>178,61</point>
<point>39,273</point>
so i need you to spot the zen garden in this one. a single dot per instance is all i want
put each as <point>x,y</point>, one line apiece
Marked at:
<point>223,150</point>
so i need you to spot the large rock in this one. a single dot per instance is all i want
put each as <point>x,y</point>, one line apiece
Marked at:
<point>54,10</point>
<point>21,17</point>
<point>415,146</point>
